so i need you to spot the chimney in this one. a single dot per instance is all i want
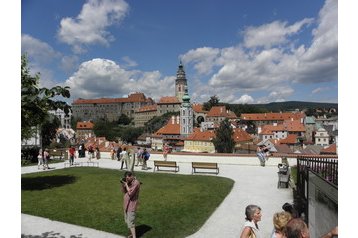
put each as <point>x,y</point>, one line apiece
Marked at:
<point>173,119</point>
<point>178,118</point>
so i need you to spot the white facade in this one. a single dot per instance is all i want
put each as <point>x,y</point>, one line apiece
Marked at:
<point>321,137</point>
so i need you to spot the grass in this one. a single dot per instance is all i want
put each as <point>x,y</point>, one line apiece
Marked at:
<point>171,205</point>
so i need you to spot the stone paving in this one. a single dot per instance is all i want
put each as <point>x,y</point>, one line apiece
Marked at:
<point>253,185</point>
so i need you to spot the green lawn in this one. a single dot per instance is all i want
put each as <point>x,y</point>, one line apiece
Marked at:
<point>171,205</point>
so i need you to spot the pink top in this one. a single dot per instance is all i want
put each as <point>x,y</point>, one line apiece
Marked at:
<point>130,199</point>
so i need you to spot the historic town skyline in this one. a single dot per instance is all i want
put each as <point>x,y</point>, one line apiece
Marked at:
<point>258,53</point>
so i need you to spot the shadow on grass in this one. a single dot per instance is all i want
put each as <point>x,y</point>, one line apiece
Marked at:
<point>46,182</point>
<point>142,229</point>
<point>50,234</point>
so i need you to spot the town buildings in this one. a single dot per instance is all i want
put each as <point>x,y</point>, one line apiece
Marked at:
<point>109,109</point>
<point>194,128</point>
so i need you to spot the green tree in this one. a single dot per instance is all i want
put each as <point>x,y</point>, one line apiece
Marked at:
<point>213,101</point>
<point>36,101</point>
<point>106,129</point>
<point>223,142</point>
<point>49,129</point>
<point>130,134</point>
<point>124,119</point>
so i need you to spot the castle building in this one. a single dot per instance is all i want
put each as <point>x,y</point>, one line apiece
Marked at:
<point>109,108</point>
<point>180,82</point>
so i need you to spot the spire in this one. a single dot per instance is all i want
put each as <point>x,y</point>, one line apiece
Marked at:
<point>181,72</point>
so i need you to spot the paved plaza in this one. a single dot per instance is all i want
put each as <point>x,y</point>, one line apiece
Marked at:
<point>253,185</point>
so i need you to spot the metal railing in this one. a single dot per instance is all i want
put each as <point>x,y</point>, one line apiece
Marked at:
<point>324,166</point>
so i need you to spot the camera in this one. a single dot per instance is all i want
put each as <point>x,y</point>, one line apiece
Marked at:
<point>123,180</point>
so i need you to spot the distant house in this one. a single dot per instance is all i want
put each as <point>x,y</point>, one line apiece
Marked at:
<point>144,139</point>
<point>260,119</point>
<point>201,141</point>
<point>170,134</point>
<point>218,114</point>
<point>322,137</point>
<point>84,130</point>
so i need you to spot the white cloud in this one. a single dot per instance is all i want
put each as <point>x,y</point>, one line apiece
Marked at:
<point>89,27</point>
<point>271,34</point>
<point>245,99</point>
<point>104,78</point>
<point>203,58</point>
<point>37,50</point>
<point>273,64</point>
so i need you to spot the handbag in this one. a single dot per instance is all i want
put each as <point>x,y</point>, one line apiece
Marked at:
<point>252,234</point>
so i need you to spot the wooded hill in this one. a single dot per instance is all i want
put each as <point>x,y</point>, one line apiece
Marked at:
<point>293,105</point>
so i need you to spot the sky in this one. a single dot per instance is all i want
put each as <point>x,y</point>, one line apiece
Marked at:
<point>241,51</point>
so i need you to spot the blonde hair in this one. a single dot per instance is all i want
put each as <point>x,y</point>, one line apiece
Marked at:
<point>280,219</point>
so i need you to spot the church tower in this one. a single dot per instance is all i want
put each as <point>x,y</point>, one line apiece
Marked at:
<point>186,115</point>
<point>180,82</point>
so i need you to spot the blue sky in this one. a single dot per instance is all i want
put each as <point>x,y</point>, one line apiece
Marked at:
<point>241,51</point>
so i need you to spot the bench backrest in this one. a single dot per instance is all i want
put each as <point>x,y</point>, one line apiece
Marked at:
<point>165,163</point>
<point>205,164</point>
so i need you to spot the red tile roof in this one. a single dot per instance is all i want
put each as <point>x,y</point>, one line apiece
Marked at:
<point>239,135</point>
<point>198,135</point>
<point>332,149</point>
<point>287,125</point>
<point>84,125</point>
<point>169,100</point>
<point>290,139</point>
<point>220,111</point>
<point>134,97</point>
<point>197,107</point>
<point>171,128</point>
<point>271,116</point>
<point>294,126</point>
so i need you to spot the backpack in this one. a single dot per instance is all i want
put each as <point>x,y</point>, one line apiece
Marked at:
<point>146,155</point>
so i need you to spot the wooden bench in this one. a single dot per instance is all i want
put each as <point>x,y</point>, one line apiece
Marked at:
<point>168,164</point>
<point>75,164</point>
<point>92,163</point>
<point>283,179</point>
<point>57,153</point>
<point>204,165</point>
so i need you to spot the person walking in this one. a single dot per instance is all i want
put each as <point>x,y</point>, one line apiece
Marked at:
<point>139,156</point>
<point>98,153</point>
<point>145,157</point>
<point>165,151</point>
<point>130,188</point>
<point>124,158</point>
<point>260,155</point>
<point>118,153</point>
<point>40,159</point>
<point>251,228</point>
<point>46,157</point>
<point>72,152</point>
